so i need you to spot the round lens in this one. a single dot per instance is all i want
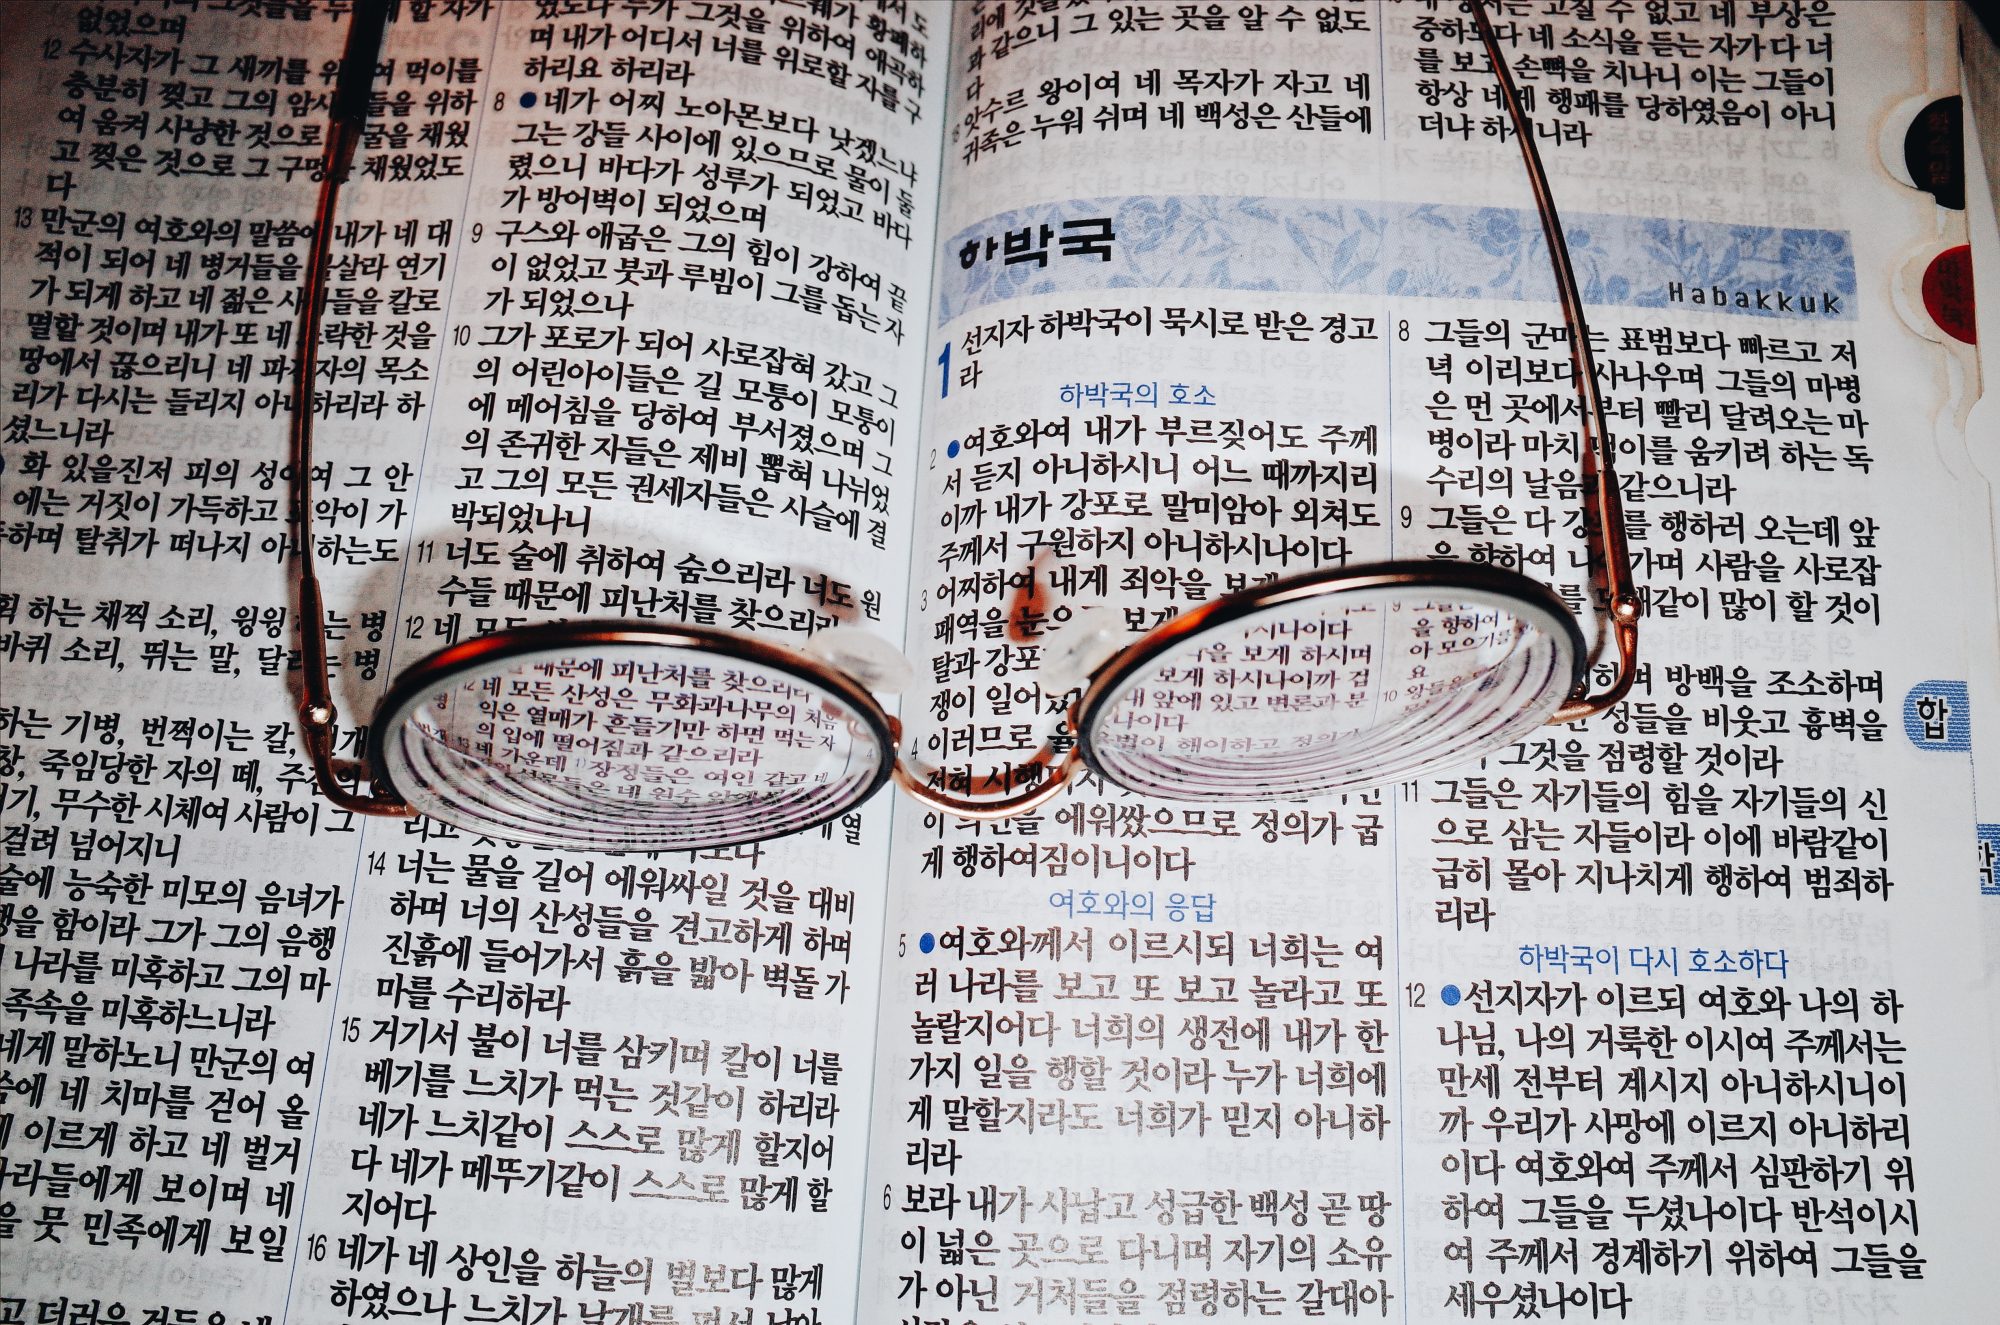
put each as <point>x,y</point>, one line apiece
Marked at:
<point>611,744</point>
<point>1335,689</point>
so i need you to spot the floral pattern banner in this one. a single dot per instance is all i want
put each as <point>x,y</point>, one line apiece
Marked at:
<point>1301,246</point>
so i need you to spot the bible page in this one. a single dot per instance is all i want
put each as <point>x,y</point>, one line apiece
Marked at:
<point>625,320</point>
<point>1678,1013</point>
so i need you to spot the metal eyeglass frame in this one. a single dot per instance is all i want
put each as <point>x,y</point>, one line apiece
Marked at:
<point>1045,773</point>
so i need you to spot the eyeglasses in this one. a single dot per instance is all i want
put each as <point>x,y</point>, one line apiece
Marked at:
<point>628,736</point>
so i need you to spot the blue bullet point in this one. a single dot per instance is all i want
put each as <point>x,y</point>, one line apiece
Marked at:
<point>1450,995</point>
<point>951,451</point>
<point>527,101</point>
<point>926,943</point>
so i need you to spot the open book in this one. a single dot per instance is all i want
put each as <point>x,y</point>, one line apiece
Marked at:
<point>784,316</point>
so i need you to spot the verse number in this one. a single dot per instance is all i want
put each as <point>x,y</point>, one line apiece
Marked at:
<point>944,372</point>
<point>1415,994</point>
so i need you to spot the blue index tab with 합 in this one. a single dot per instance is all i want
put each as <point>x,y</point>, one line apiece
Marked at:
<point>1937,715</point>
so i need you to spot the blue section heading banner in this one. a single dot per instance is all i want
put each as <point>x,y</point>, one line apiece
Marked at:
<point>1302,246</point>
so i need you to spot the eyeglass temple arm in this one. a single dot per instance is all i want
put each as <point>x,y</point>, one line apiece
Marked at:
<point>316,710</point>
<point>1603,508</point>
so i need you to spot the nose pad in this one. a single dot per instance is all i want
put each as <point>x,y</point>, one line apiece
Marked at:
<point>878,665</point>
<point>1070,654</point>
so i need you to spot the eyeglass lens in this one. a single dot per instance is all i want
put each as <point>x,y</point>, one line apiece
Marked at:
<point>1341,690</point>
<point>631,747</point>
